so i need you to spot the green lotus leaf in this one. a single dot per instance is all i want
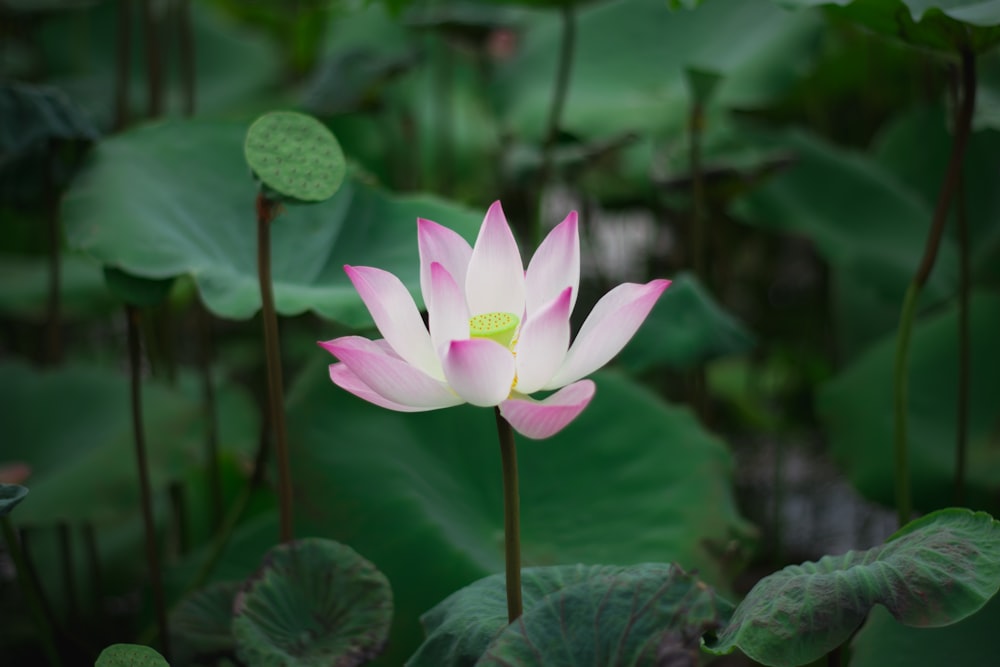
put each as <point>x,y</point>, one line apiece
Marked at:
<point>934,571</point>
<point>200,624</point>
<point>685,328</point>
<point>421,494</point>
<point>313,602</point>
<point>574,615</point>
<point>130,655</point>
<point>946,25</point>
<point>174,198</point>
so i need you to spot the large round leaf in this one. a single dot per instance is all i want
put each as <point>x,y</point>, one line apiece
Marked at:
<point>175,198</point>
<point>575,615</point>
<point>200,623</point>
<point>946,25</point>
<point>312,603</point>
<point>933,572</point>
<point>630,58</point>
<point>631,480</point>
<point>856,410</point>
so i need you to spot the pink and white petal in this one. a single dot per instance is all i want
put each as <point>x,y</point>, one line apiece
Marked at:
<point>448,316</point>
<point>545,418</point>
<point>479,370</point>
<point>393,379</point>
<point>437,243</point>
<point>542,343</point>
<point>495,282</point>
<point>396,316</point>
<point>610,325</point>
<point>555,266</point>
<point>345,378</point>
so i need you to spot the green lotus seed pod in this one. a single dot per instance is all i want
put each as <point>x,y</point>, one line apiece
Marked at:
<point>294,157</point>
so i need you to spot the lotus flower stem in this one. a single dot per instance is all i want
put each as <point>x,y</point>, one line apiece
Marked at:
<point>963,126</point>
<point>66,563</point>
<point>31,593</point>
<point>267,210</point>
<point>699,254</point>
<point>187,52</point>
<point>511,516</point>
<point>564,67</point>
<point>95,572</point>
<point>53,317</point>
<point>145,493</point>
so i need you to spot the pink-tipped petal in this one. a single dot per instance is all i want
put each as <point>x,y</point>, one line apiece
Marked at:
<point>396,316</point>
<point>542,343</point>
<point>479,370</point>
<point>448,316</point>
<point>393,379</point>
<point>545,418</point>
<point>610,325</point>
<point>495,281</point>
<point>345,378</point>
<point>437,243</point>
<point>555,266</point>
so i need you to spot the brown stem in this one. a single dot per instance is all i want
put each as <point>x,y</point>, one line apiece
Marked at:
<point>68,569</point>
<point>964,351</point>
<point>511,516</point>
<point>154,60</point>
<point>94,569</point>
<point>123,57</point>
<point>963,126</point>
<point>145,490</point>
<point>187,54</point>
<point>566,47</point>
<point>205,354</point>
<point>267,210</point>
<point>32,592</point>
<point>53,324</point>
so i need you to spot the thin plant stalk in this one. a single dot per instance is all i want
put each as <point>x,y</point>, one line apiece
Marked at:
<point>68,569</point>
<point>145,492</point>
<point>186,55</point>
<point>699,254</point>
<point>964,357</point>
<point>154,60</point>
<point>445,82</point>
<point>123,60</point>
<point>267,210</point>
<point>964,351</point>
<point>32,595</point>
<point>178,509</point>
<point>95,572</point>
<point>563,69</point>
<point>963,128</point>
<point>205,354</point>
<point>511,516</point>
<point>53,318</point>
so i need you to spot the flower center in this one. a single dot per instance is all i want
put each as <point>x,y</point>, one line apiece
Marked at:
<point>500,327</point>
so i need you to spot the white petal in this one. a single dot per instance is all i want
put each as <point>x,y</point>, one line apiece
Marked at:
<point>495,282</point>
<point>437,243</point>
<point>393,379</point>
<point>448,316</point>
<point>396,316</point>
<point>554,266</point>
<point>479,370</point>
<point>542,344</point>
<point>345,378</point>
<point>611,324</point>
<point>542,419</point>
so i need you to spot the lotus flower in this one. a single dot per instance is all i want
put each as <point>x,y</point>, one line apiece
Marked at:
<point>497,333</point>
